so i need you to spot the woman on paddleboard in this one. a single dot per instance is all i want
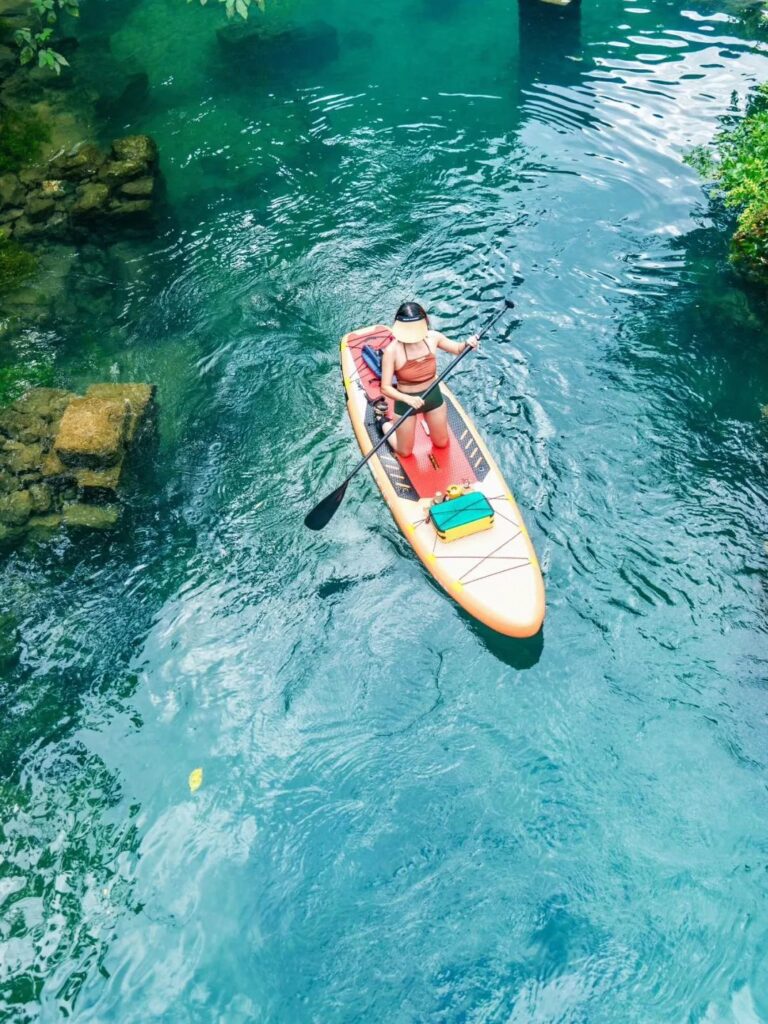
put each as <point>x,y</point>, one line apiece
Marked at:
<point>411,356</point>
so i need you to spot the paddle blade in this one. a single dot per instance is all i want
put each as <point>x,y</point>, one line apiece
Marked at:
<point>325,510</point>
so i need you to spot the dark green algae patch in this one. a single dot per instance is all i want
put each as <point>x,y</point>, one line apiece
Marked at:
<point>16,266</point>
<point>22,136</point>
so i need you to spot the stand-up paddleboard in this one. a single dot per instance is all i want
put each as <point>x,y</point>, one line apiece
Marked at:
<point>493,574</point>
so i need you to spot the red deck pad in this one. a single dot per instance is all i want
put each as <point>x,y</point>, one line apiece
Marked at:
<point>447,465</point>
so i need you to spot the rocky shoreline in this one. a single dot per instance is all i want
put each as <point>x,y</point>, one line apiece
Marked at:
<point>71,213</point>
<point>62,456</point>
<point>82,191</point>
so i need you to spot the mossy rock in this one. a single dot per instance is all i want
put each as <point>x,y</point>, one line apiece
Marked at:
<point>91,201</point>
<point>139,397</point>
<point>11,191</point>
<point>140,149</point>
<point>15,508</point>
<point>92,432</point>
<point>10,533</point>
<point>92,517</point>
<point>41,498</point>
<point>23,426</point>
<point>78,165</point>
<point>48,403</point>
<point>18,458</point>
<point>47,523</point>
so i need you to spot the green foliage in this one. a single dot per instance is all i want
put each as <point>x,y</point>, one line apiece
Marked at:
<point>16,264</point>
<point>240,8</point>
<point>34,42</point>
<point>21,136</point>
<point>737,164</point>
<point>755,18</point>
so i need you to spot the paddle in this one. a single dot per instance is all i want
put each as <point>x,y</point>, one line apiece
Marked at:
<point>325,510</point>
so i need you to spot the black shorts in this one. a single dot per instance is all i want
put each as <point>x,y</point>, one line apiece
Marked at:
<point>433,401</point>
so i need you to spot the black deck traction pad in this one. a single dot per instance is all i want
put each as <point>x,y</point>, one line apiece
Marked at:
<point>466,439</point>
<point>396,475</point>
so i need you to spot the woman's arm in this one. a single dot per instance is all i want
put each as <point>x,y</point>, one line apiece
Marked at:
<point>456,347</point>
<point>387,373</point>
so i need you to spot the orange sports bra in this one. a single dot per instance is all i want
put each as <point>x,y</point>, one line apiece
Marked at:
<point>418,371</point>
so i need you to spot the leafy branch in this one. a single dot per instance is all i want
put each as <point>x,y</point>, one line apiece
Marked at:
<point>236,7</point>
<point>34,42</point>
<point>737,166</point>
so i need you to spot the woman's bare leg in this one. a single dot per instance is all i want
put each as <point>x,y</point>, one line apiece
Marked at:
<point>437,421</point>
<point>402,438</point>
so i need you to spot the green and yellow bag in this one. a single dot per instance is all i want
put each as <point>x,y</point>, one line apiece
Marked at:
<point>469,513</point>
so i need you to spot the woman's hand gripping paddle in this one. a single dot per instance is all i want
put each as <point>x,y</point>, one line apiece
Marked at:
<point>325,510</point>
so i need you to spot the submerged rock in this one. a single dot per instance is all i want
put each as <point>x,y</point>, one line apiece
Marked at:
<point>141,187</point>
<point>11,191</point>
<point>25,428</point>
<point>46,523</point>
<point>136,209</point>
<point>92,432</point>
<point>15,508</point>
<point>52,466</point>
<point>138,398</point>
<point>83,191</point>
<point>302,47</point>
<point>62,455</point>
<point>95,483</point>
<point>47,403</point>
<point>79,164</point>
<point>41,498</point>
<point>138,149</point>
<point>18,458</point>
<point>128,95</point>
<point>92,200</point>
<point>115,173</point>
<point>39,207</point>
<point>95,517</point>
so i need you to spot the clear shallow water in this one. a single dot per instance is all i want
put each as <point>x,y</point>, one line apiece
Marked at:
<point>404,818</point>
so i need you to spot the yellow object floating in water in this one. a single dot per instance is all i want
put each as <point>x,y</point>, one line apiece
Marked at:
<point>195,779</point>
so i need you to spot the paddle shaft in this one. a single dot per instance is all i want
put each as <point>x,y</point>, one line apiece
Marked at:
<point>449,369</point>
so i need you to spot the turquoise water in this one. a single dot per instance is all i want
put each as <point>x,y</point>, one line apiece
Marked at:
<point>404,818</point>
